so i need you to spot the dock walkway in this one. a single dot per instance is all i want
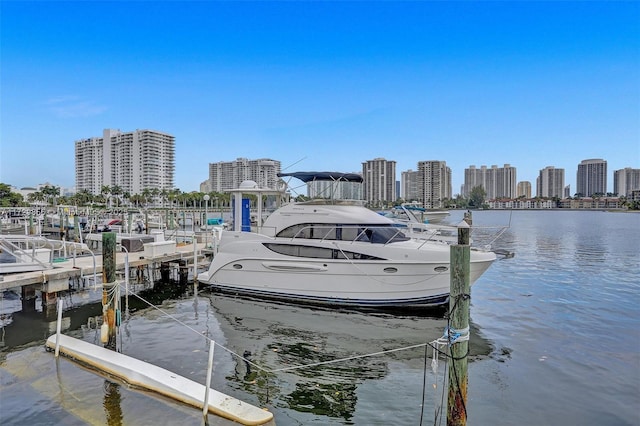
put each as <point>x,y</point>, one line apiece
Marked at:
<point>57,278</point>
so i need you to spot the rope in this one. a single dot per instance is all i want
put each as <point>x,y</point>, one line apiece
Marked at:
<point>291,368</point>
<point>198,333</point>
<point>449,337</point>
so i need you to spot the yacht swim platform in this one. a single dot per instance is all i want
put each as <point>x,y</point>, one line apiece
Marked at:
<point>153,378</point>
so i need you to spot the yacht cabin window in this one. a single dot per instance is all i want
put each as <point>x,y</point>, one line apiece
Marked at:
<point>369,233</point>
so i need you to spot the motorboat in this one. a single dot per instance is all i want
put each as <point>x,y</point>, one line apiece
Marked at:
<point>405,217</point>
<point>336,253</point>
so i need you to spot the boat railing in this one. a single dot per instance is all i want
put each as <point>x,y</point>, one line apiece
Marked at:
<point>27,250</point>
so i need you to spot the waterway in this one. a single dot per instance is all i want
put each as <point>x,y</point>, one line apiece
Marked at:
<point>555,341</point>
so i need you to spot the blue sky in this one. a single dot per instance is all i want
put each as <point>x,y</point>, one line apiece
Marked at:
<point>323,85</point>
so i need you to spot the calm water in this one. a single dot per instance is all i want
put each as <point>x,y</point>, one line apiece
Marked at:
<point>556,341</point>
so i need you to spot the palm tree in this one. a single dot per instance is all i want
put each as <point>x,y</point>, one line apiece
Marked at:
<point>146,196</point>
<point>105,191</point>
<point>116,191</point>
<point>51,193</point>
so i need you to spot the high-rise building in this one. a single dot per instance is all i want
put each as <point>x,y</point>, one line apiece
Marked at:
<point>524,189</point>
<point>226,175</point>
<point>591,177</point>
<point>132,161</point>
<point>434,183</point>
<point>498,182</point>
<point>379,181</point>
<point>625,181</point>
<point>409,185</point>
<point>550,183</point>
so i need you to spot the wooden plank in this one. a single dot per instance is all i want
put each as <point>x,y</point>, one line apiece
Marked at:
<point>148,376</point>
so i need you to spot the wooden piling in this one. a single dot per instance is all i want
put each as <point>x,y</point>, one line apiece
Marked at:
<point>459,301</point>
<point>109,299</point>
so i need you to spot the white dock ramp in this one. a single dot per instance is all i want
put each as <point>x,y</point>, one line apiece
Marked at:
<point>148,376</point>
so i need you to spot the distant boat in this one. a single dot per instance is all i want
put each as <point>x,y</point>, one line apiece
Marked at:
<point>424,215</point>
<point>405,217</point>
<point>337,254</point>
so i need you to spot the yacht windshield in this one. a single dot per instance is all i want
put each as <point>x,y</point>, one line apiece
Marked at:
<point>384,235</point>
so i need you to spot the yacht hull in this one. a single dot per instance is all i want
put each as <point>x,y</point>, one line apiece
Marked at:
<point>418,275</point>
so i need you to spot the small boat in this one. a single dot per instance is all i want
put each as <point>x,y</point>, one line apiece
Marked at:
<point>421,214</point>
<point>405,217</point>
<point>336,253</point>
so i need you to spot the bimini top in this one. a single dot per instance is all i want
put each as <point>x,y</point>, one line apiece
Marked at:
<point>324,176</point>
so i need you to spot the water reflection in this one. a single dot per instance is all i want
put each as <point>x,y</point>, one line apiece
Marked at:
<point>111,404</point>
<point>273,336</point>
<point>280,338</point>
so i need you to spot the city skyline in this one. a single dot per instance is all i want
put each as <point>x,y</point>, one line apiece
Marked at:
<point>324,85</point>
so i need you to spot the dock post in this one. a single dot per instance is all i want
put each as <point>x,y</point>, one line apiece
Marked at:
<point>109,284</point>
<point>195,266</point>
<point>76,229</point>
<point>459,327</point>
<point>32,229</point>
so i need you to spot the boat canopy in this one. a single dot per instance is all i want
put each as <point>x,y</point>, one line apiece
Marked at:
<point>324,176</point>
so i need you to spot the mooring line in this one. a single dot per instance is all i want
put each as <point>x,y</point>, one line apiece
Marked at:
<point>295,367</point>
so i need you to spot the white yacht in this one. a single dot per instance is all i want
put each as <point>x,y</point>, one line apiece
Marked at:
<point>337,254</point>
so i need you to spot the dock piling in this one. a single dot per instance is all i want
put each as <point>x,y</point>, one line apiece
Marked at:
<point>109,284</point>
<point>458,331</point>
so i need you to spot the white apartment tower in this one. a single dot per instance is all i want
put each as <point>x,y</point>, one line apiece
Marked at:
<point>524,189</point>
<point>434,183</point>
<point>379,181</point>
<point>498,182</point>
<point>591,177</point>
<point>625,181</point>
<point>226,175</point>
<point>409,185</point>
<point>133,161</point>
<point>550,183</point>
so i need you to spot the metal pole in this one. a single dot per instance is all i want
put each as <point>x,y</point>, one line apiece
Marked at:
<point>205,405</point>
<point>58,327</point>
<point>206,221</point>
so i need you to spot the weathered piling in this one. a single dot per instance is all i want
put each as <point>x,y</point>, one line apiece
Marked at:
<point>109,288</point>
<point>459,301</point>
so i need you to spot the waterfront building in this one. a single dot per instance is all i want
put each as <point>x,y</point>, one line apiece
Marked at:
<point>132,161</point>
<point>524,189</point>
<point>550,183</point>
<point>409,185</point>
<point>498,182</point>
<point>567,191</point>
<point>625,181</point>
<point>379,181</point>
<point>434,183</point>
<point>226,175</point>
<point>591,177</point>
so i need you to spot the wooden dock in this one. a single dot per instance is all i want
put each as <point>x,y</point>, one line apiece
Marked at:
<point>153,378</point>
<point>57,279</point>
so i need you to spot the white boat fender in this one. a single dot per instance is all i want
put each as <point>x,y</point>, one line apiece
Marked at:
<point>104,333</point>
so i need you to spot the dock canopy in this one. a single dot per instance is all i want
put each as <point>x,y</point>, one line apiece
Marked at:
<point>324,176</point>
